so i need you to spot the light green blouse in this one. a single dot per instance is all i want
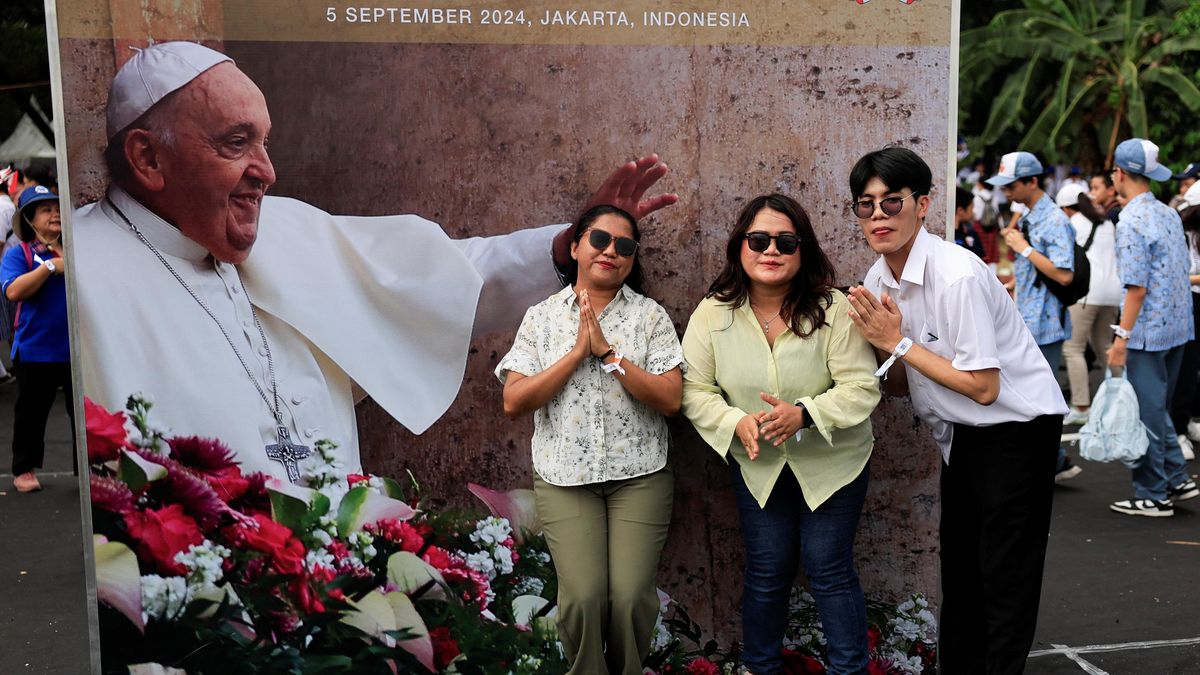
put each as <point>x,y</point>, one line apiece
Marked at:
<point>831,373</point>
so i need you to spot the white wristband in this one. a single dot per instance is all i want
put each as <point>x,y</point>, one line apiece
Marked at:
<point>1121,332</point>
<point>1027,252</point>
<point>901,349</point>
<point>615,365</point>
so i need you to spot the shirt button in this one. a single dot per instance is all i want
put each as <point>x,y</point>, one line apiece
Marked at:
<point>297,400</point>
<point>262,351</point>
<point>234,289</point>
<point>309,433</point>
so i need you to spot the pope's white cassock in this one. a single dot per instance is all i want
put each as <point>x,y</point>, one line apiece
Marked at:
<point>385,303</point>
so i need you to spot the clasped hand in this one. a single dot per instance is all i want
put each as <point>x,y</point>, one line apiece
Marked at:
<point>878,321</point>
<point>776,425</point>
<point>590,339</point>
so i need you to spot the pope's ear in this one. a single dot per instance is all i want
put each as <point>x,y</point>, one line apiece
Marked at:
<point>142,152</point>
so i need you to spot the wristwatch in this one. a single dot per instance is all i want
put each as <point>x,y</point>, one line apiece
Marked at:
<point>50,266</point>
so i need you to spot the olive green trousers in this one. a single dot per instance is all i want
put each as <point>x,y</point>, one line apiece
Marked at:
<point>605,539</point>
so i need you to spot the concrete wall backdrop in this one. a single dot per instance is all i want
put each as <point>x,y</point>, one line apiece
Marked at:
<point>488,138</point>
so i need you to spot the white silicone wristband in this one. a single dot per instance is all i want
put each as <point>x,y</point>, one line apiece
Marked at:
<point>901,349</point>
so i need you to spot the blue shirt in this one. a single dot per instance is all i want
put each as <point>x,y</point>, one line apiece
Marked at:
<point>1152,252</point>
<point>41,333</point>
<point>1050,233</point>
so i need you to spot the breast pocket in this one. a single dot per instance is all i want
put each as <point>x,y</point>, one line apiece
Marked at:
<point>931,338</point>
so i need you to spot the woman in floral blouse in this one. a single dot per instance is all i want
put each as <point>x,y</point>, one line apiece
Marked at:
<point>599,365</point>
<point>779,380</point>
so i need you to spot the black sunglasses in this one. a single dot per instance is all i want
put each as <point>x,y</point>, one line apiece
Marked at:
<point>865,208</point>
<point>786,243</point>
<point>599,239</point>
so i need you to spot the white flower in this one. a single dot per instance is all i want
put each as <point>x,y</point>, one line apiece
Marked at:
<point>504,559</point>
<point>480,561</point>
<point>529,586</point>
<point>203,562</point>
<point>163,598</point>
<point>491,531</point>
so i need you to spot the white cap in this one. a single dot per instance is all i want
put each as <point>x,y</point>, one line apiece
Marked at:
<point>153,73</point>
<point>1069,195</point>
<point>1191,197</point>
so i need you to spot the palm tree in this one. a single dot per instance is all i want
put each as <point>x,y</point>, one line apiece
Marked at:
<point>1074,66</point>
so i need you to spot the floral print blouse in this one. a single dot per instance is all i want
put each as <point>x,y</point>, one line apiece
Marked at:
<point>1152,252</point>
<point>593,431</point>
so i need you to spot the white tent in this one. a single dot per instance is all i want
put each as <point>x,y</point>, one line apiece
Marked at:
<point>26,142</point>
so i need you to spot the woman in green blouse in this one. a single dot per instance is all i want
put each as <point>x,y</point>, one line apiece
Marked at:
<point>778,379</point>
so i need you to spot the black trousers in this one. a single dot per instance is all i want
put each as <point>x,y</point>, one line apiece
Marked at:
<point>996,497</point>
<point>37,385</point>
<point>1186,404</point>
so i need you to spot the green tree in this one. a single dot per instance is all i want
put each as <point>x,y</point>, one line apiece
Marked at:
<point>25,65</point>
<point>1074,76</point>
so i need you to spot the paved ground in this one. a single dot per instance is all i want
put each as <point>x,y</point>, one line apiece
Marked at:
<point>1120,593</point>
<point>43,609</point>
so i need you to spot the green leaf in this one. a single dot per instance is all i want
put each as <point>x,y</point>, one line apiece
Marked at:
<point>136,471</point>
<point>393,489</point>
<point>363,506</point>
<point>1135,103</point>
<point>1178,44</point>
<point>411,574</point>
<point>1009,102</point>
<point>290,503</point>
<point>1178,84</point>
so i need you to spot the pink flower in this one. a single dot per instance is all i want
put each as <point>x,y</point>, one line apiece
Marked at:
<point>206,455</point>
<point>105,432</point>
<point>111,494</point>
<point>401,533</point>
<point>160,535</point>
<point>701,666</point>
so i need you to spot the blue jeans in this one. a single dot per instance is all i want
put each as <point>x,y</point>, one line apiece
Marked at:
<point>1053,354</point>
<point>775,538</point>
<point>1153,376</point>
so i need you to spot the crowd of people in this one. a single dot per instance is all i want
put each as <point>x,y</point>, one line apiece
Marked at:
<point>1143,260</point>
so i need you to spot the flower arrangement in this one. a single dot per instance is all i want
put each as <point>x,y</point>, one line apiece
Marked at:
<point>204,569</point>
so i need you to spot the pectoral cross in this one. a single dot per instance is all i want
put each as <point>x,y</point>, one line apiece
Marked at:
<point>288,453</point>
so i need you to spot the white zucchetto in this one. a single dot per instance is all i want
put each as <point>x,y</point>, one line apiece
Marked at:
<point>153,73</point>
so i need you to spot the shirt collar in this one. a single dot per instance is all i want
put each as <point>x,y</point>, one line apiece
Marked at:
<point>914,266</point>
<point>566,296</point>
<point>1038,214</point>
<point>1145,197</point>
<point>162,235</point>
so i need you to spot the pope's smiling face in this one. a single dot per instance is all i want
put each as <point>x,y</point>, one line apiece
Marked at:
<point>213,162</point>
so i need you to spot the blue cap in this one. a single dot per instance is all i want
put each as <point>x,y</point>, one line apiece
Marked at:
<point>31,195</point>
<point>1189,171</point>
<point>1016,165</point>
<point>1139,156</point>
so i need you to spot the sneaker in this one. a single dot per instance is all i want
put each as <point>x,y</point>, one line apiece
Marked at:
<point>1075,417</point>
<point>26,482</point>
<point>1193,429</point>
<point>1185,491</point>
<point>1144,507</point>
<point>1067,471</point>
<point>1189,453</point>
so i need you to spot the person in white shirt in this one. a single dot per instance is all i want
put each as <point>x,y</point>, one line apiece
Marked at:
<point>1093,315</point>
<point>978,379</point>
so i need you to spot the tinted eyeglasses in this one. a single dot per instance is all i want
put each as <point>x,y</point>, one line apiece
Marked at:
<point>865,208</point>
<point>785,243</point>
<point>599,239</point>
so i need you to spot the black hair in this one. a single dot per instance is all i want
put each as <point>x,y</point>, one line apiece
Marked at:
<point>584,222</point>
<point>963,198</point>
<point>1105,176</point>
<point>896,167</point>
<point>811,289</point>
<point>1191,224</point>
<point>1089,210</point>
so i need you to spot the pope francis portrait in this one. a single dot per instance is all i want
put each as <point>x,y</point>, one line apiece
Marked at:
<point>260,320</point>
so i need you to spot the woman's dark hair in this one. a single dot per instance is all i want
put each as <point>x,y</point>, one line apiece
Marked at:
<point>896,167</point>
<point>1089,210</point>
<point>811,289</point>
<point>585,221</point>
<point>1191,224</point>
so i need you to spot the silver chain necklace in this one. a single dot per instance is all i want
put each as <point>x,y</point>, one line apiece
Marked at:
<point>766,325</point>
<point>284,451</point>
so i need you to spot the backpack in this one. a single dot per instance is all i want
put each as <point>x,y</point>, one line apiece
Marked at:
<point>1081,270</point>
<point>10,311</point>
<point>1114,430</point>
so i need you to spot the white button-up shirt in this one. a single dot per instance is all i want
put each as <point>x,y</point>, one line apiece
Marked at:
<point>592,430</point>
<point>953,306</point>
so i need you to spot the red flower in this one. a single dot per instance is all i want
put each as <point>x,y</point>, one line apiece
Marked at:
<point>875,667</point>
<point>701,666</point>
<point>873,636</point>
<point>105,432</point>
<point>398,532</point>
<point>273,539</point>
<point>160,535</point>
<point>796,663</point>
<point>228,483</point>
<point>355,478</point>
<point>111,494</point>
<point>445,649</point>
<point>206,455</point>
